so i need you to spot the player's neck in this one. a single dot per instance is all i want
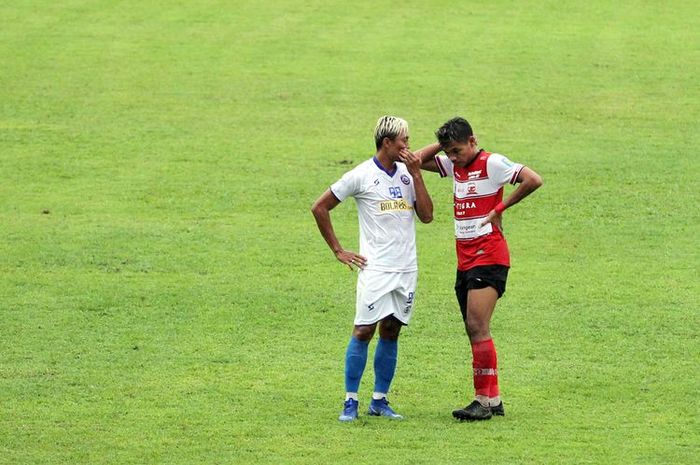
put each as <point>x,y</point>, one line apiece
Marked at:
<point>473,158</point>
<point>384,159</point>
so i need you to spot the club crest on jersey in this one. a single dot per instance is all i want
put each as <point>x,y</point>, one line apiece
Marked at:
<point>471,188</point>
<point>405,180</point>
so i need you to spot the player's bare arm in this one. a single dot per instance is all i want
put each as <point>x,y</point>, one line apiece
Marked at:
<point>321,211</point>
<point>528,182</point>
<point>424,204</point>
<point>427,157</point>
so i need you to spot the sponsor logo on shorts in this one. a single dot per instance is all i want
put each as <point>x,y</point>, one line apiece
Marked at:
<point>409,303</point>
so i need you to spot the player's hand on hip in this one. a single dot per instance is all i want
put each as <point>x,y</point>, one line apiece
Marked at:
<point>351,259</point>
<point>493,218</point>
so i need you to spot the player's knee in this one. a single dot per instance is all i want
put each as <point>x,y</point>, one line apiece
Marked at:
<point>477,329</point>
<point>364,332</point>
<point>390,333</point>
<point>390,328</point>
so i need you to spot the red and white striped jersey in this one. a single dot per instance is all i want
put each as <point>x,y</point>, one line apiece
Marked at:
<point>478,187</point>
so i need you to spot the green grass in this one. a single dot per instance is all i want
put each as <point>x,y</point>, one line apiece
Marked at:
<point>165,295</point>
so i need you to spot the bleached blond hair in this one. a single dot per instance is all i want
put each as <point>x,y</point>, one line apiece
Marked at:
<point>391,127</point>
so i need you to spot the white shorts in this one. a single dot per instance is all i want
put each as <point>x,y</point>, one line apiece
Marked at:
<point>382,293</point>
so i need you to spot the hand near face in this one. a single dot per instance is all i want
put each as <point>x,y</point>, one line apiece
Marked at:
<point>411,160</point>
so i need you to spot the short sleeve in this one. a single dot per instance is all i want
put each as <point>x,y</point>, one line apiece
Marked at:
<point>445,166</point>
<point>501,170</point>
<point>347,186</point>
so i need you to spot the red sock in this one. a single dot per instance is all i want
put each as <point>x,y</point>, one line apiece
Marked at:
<point>485,368</point>
<point>493,390</point>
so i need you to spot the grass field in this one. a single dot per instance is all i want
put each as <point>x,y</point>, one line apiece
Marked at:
<point>166,297</point>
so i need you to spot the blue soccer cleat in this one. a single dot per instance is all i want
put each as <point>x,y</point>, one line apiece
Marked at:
<point>380,408</point>
<point>349,410</point>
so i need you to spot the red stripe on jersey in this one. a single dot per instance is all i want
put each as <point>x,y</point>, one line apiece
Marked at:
<point>472,207</point>
<point>491,249</point>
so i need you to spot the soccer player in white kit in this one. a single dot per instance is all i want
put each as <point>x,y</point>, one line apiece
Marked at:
<point>388,189</point>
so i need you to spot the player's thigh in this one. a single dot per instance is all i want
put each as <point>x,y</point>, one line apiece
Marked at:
<point>374,299</point>
<point>404,296</point>
<point>480,277</point>
<point>481,304</point>
<point>402,302</point>
<point>390,328</point>
<point>462,291</point>
<point>480,307</point>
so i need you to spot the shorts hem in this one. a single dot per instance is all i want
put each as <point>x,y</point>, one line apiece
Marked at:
<point>403,321</point>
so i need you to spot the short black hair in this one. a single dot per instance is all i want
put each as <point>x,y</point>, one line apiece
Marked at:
<point>455,130</point>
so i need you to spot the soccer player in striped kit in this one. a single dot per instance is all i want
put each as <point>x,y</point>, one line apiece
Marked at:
<point>482,252</point>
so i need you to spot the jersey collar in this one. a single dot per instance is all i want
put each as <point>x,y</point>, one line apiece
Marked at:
<point>379,165</point>
<point>476,157</point>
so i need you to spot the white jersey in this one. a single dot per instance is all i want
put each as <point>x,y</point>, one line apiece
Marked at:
<point>385,211</point>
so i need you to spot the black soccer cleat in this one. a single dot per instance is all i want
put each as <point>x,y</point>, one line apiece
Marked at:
<point>472,412</point>
<point>497,410</point>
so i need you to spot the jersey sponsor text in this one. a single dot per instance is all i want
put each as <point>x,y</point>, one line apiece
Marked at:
<point>387,206</point>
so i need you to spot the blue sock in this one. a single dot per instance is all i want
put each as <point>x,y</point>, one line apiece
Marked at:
<point>385,364</point>
<point>355,361</point>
